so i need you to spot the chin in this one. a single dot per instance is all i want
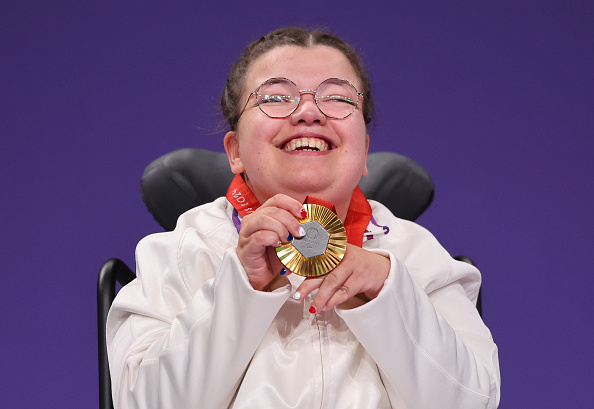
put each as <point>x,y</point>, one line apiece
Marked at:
<point>327,191</point>
<point>310,183</point>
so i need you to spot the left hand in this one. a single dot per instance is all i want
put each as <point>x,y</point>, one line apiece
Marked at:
<point>359,272</point>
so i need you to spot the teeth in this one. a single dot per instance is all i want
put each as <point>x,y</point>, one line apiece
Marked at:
<point>313,143</point>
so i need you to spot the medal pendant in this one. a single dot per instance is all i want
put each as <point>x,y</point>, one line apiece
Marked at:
<point>322,247</point>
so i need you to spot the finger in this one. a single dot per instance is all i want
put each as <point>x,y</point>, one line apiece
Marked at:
<point>257,243</point>
<point>287,203</point>
<point>333,282</point>
<point>275,263</point>
<point>274,219</point>
<point>363,273</point>
<point>307,286</point>
<point>264,222</point>
<point>350,288</point>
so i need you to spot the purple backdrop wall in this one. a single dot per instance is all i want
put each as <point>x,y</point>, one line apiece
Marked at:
<point>493,98</point>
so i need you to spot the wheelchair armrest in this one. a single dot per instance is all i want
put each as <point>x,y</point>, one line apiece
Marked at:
<point>112,271</point>
<point>479,303</point>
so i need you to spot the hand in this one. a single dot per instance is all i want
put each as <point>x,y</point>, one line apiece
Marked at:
<point>360,272</point>
<point>263,230</point>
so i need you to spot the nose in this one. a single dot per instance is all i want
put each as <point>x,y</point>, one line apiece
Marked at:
<point>308,112</point>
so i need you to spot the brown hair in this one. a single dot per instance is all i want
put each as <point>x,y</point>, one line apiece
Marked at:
<point>230,99</point>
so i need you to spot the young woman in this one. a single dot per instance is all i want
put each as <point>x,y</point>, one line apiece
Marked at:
<point>214,319</point>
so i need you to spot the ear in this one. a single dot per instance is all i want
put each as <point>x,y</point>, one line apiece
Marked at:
<point>365,171</point>
<point>232,149</point>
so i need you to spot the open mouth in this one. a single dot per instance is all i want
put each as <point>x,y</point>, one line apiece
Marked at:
<point>306,144</point>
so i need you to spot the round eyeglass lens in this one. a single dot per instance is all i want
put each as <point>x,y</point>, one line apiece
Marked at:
<point>337,98</point>
<point>278,97</point>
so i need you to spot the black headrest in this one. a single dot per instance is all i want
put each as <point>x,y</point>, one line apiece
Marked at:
<point>186,178</point>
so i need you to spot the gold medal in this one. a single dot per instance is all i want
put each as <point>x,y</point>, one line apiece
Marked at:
<point>322,247</point>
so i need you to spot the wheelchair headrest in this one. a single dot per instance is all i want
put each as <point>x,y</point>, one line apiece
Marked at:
<point>186,178</point>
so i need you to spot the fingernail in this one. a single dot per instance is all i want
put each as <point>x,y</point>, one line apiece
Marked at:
<point>301,231</point>
<point>312,309</point>
<point>297,295</point>
<point>303,213</point>
<point>283,271</point>
<point>289,237</point>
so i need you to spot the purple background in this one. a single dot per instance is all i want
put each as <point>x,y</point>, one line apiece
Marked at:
<point>494,98</point>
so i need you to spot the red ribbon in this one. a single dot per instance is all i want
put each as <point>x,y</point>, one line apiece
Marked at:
<point>241,197</point>
<point>357,218</point>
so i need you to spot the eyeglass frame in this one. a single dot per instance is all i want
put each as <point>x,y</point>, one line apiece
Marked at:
<point>301,91</point>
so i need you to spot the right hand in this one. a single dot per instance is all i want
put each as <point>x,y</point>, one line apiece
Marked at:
<point>261,232</point>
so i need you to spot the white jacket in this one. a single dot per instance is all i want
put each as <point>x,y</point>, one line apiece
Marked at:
<point>191,332</point>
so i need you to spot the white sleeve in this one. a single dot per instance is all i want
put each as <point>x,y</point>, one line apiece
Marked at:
<point>173,334</point>
<point>430,344</point>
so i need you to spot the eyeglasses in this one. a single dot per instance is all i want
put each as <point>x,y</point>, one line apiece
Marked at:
<point>279,97</point>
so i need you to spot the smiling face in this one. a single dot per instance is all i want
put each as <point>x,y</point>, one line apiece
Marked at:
<point>305,153</point>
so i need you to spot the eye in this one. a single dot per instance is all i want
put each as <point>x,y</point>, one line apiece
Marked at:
<point>275,98</point>
<point>337,99</point>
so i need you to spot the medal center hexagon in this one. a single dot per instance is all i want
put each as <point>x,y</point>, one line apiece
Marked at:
<point>315,241</point>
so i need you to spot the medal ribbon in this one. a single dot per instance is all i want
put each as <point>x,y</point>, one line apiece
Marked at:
<point>357,219</point>
<point>241,197</point>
